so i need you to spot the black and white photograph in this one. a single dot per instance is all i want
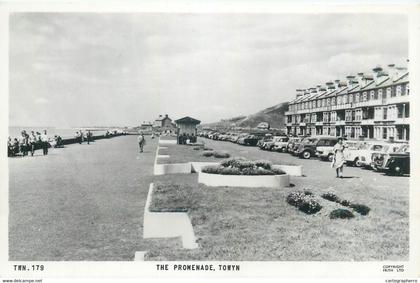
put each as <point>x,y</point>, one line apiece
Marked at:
<point>205,137</point>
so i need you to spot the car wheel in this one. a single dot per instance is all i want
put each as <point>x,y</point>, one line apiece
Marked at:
<point>330,157</point>
<point>397,170</point>
<point>306,154</point>
<point>283,149</point>
<point>357,162</point>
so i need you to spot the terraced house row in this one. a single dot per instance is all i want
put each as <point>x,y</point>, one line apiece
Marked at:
<point>373,106</point>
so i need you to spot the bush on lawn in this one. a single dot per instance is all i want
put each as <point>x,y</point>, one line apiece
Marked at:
<point>208,153</point>
<point>331,197</point>
<point>345,203</point>
<point>221,154</point>
<point>360,208</point>
<point>197,148</point>
<point>207,148</point>
<point>341,213</point>
<point>242,166</point>
<point>304,202</point>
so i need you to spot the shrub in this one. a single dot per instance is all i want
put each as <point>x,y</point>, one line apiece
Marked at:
<point>196,148</point>
<point>233,162</point>
<point>212,169</point>
<point>230,171</point>
<point>208,153</point>
<point>345,203</point>
<point>304,202</point>
<point>207,148</point>
<point>221,154</point>
<point>263,164</point>
<point>360,208</point>
<point>331,197</point>
<point>308,193</point>
<point>341,213</point>
<point>277,171</point>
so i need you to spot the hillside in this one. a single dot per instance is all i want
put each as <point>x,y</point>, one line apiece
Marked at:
<point>274,115</point>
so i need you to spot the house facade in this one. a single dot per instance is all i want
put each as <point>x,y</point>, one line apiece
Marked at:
<point>373,106</point>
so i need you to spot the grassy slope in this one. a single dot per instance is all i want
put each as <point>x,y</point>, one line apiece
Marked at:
<point>273,115</point>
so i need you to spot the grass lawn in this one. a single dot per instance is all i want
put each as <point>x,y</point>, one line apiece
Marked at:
<point>171,198</point>
<point>258,224</point>
<point>183,154</point>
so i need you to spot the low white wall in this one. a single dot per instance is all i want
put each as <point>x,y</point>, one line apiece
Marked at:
<point>217,180</point>
<point>176,168</point>
<point>168,224</point>
<point>292,170</point>
<point>167,142</point>
<point>163,156</point>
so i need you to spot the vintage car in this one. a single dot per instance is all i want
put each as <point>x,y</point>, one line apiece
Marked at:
<point>292,143</point>
<point>280,144</point>
<point>396,163</point>
<point>351,151</point>
<point>368,151</point>
<point>324,148</point>
<point>262,142</point>
<point>313,146</point>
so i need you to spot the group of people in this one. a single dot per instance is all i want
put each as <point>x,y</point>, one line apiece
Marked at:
<point>28,143</point>
<point>80,136</point>
<point>187,138</point>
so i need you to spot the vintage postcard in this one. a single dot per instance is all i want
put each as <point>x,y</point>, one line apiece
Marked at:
<point>209,140</point>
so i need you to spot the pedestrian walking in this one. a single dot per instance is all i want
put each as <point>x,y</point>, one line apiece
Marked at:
<point>339,159</point>
<point>32,142</point>
<point>88,136</point>
<point>45,142</point>
<point>142,142</point>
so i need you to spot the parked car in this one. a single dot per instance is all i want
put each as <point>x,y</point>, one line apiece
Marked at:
<point>325,148</point>
<point>308,147</point>
<point>294,141</point>
<point>262,142</point>
<point>251,140</point>
<point>280,144</point>
<point>365,157</point>
<point>396,163</point>
<point>351,152</point>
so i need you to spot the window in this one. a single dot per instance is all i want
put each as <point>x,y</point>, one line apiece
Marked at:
<point>372,95</point>
<point>365,96</point>
<point>407,89</point>
<point>339,100</point>
<point>385,113</point>
<point>345,99</point>
<point>399,91</point>
<point>324,102</point>
<point>384,135</point>
<point>357,97</point>
<point>388,92</point>
<point>380,94</point>
<point>333,101</point>
<point>328,102</point>
<point>319,102</point>
<point>351,98</point>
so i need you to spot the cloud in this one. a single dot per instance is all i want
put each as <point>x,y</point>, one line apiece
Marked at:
<point>98,68</point>
<point>42,100</point>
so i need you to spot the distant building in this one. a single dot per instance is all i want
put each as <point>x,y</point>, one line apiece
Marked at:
<point>373,106</point>
<point>187,125</point>
<point>164,124</point>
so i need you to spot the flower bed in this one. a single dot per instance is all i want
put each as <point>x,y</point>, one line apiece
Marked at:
<point>304,201</point>
<point>359,208</point>
<point>239,172</point>
<point>242,166</point>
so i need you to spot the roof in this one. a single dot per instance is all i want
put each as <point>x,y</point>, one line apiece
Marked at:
<point>187,120</point>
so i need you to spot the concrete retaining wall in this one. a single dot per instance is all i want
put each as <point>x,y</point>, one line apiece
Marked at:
<point>270,181</point>
<point>168,224</point>
<point>176,168</point>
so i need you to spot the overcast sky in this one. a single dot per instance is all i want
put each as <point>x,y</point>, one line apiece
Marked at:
<point>74,69</point>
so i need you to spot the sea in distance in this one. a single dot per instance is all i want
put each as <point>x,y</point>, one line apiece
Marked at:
<point>15,132</point>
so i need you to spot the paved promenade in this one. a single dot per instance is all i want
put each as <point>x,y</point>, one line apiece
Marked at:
<point>82,202</point>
